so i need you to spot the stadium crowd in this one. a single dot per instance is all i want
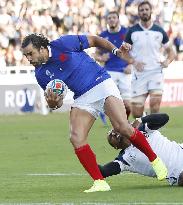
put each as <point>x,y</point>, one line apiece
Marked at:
<point>56,17</point>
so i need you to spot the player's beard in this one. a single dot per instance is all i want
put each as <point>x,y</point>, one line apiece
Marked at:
<point>145,18</point>
<point>38,62</point>
<point>113,27</point>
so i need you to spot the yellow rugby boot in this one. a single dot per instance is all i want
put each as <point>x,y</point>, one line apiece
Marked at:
<point>99,185</point>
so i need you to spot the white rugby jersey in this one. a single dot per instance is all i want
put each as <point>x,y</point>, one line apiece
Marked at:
<point>170,152</point>
<point>146,44</point>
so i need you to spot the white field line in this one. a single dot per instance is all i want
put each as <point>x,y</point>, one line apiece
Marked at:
<point>56,174</point>
<point>99,203</point>
<point>67,174</point>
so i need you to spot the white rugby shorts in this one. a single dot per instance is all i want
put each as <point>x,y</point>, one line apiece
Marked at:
<point>93,100</point>
<point>123,82</point>
<point>146,82</point>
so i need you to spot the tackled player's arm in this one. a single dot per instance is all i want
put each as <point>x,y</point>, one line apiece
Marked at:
<point>123,52</point>
<point>180,180</point>
<point>155,120</point>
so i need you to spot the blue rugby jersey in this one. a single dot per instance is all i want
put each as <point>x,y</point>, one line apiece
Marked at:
<point>115,63</point>
<point>68,62</point>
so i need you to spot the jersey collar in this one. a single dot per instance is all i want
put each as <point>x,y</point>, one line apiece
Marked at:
<point>144,27</point>
<point>49,51</point>
<point>119,28</point>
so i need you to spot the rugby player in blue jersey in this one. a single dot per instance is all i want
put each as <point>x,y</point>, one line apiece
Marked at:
<point>118,68</point>
<point>94,92</point>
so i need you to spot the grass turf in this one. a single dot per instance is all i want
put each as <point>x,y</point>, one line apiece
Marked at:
<point>35,144</point>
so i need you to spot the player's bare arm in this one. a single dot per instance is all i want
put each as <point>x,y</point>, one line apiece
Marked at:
<point>170,57</point>
<point>101,57</point>
<point>180,180</point>
<point>125,48</point>
<point>96,41</point>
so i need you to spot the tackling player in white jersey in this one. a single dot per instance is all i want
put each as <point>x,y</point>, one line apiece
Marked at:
<point>130,159</point>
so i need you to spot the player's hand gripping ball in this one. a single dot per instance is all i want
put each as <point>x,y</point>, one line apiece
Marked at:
<point>58,87</point>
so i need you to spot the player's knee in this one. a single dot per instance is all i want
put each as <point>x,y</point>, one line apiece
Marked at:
<point>124,129</point>
<point>137,105</point>
<point>137,111</point>
<point>76,139</point>
<point>136,114</point>
<point>155,101</point>
<point>154,107</point>
<point>128,107</point>
<point>180,180</point>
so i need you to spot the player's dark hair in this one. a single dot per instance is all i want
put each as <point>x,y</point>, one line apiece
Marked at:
<point>37,40</point>
<point>180,180</point>
<point>112,12</point>
<point>145,2</point>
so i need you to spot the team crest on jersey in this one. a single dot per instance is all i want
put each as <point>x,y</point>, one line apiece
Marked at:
<point>63,57</point>
<point>48,73</point>
<point>157,37</point>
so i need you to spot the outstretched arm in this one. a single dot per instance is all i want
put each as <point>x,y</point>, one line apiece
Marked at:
<point>96,41</point>
<point>101,57</point>
<point>110,169</point>
<point>155,121</point>
<point>180,180</point>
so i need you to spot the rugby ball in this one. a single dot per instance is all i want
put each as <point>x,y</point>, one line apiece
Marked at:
<point>58,87</point>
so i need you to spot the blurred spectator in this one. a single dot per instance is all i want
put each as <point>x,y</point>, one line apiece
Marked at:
<point>57,17</point>
<point>178,42</point>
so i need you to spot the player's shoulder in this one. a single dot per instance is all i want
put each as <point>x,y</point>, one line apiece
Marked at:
<point>135,28</point>
<point>104,33</point>
<point>57,41</point>
<point>66,38</point>
<point>123,29</point>
<point>157,27</point>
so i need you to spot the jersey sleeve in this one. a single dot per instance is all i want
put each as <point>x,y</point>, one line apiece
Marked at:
<point>73,42</point>
<point>165,37</point>
<point>128,37</point>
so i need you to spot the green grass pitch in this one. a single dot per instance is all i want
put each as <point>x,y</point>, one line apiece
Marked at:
<point>38,165</point>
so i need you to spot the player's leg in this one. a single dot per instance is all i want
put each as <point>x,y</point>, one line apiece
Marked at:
<point>103,118</point>
<point>81,122</point>
<point>155,101</point>
<point>139,94</point>
<point>155,90</point>
<point>115,110</point>
<point>123,82</point>
<point>127,105</point>
<point>155,98</point>
<point>137,105</point>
